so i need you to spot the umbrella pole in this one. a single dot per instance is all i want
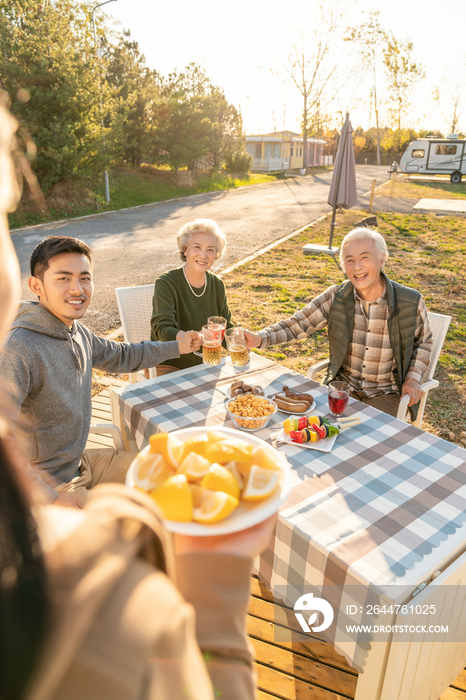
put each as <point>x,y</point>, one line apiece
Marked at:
<point>332,225</point>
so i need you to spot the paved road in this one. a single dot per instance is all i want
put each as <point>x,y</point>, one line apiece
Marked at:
<point>133,247</point>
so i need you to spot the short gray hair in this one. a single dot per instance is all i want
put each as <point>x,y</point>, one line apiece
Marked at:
<point>201,226</point>
<point>360,234</point>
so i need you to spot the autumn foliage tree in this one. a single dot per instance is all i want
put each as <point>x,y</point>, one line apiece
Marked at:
<point>402,75</point>
<point>370,39</point>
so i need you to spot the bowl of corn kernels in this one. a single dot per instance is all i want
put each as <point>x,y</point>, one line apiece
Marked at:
<point>250,412</point>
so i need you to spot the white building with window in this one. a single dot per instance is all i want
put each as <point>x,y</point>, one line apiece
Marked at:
<point>283,150</point>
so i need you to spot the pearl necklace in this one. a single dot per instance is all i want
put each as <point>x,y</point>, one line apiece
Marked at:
<point>189,285</point>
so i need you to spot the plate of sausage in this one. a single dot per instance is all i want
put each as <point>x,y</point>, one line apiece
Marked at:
<point>239,387</point>
<point>293,402</point>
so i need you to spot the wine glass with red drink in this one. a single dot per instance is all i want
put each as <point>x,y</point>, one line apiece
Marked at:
<point>338,395</point>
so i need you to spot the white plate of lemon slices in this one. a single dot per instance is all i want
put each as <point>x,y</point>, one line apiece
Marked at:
<point>211,481</point>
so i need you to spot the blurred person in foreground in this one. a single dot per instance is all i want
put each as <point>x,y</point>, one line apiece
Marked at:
<point>187,296</point>
<point>379,336</point>
<point>46,368</point>
<point>87,609</point>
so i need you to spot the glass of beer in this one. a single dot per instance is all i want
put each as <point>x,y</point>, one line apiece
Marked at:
<point>217,324</point>
<point>338,395</point>
<point>237,347</point>
<point>211,346</point>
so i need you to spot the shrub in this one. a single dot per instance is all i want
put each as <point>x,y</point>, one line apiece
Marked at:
<point>237,162</point>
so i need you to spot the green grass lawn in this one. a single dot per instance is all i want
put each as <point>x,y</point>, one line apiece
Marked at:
<point>418,190</point>
<point>426,252</point>
<point>128,188</point>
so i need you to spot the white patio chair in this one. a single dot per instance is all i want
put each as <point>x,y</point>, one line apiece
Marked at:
<point>439,325</point>
<point>135,307</point>
<point>109,429</point>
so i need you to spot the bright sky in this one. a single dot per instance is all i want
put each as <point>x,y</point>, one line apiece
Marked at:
<point>239,43</point>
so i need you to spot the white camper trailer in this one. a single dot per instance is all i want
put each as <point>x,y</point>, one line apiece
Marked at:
<point>432,156</point>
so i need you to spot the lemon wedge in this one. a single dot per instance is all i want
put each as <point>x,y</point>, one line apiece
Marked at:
<point>261,483</point>
<point>174,498</point>
<point>229,450</point>
<point>214,506</point>
<point>168,446</point>
<point>150,470</point>
<point>194,466</point>
<point>233,469</point>
<point>196,493</point>
<point>262,458</point>
<point>220,479</point>
<point>200,443</point>
<point>244,468</point>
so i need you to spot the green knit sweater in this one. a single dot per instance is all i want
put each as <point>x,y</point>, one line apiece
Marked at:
<point>175,308</point>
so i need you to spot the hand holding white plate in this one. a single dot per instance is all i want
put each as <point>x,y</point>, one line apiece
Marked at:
<point>247,513</point>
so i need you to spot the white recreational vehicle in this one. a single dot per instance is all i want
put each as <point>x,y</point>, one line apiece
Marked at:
<point>433,156</point>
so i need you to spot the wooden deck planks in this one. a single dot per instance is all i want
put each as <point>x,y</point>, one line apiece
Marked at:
<point>317,650</point>
<point>453,694</point>
<point>289,687</point>
<point>305,669</point>
<point>313,645</point>
<point>288,667</point>
<point>289,664</point>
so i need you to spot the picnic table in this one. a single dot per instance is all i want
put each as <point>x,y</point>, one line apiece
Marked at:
<point>376,527</point>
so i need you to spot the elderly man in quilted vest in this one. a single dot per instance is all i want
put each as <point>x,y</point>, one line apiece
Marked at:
<point>379,336</point>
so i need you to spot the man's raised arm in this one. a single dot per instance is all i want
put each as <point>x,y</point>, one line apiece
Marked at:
<point>302,324</point>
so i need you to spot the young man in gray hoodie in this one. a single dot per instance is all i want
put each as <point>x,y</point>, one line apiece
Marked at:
<point>46,372</point>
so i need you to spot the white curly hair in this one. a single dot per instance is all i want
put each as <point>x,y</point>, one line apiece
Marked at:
<point>201,226</point>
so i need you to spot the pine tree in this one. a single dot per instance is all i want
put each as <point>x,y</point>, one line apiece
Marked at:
<point>49,68</point>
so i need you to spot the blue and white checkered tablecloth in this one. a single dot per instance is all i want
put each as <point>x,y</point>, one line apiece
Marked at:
<point>374,515</point>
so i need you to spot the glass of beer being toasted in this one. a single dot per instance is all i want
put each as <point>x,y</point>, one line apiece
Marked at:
<point>211,346</point>
<point>237,347</point>
<point>217,324</point>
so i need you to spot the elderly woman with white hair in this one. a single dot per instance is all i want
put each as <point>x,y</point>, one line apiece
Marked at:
<point>379,337</point>
<point>184,298</point>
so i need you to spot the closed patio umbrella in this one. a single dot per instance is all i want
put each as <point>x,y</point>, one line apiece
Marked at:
<point>343,186</point>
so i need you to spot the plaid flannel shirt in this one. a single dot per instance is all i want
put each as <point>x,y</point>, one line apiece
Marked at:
<point>368,366</point>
